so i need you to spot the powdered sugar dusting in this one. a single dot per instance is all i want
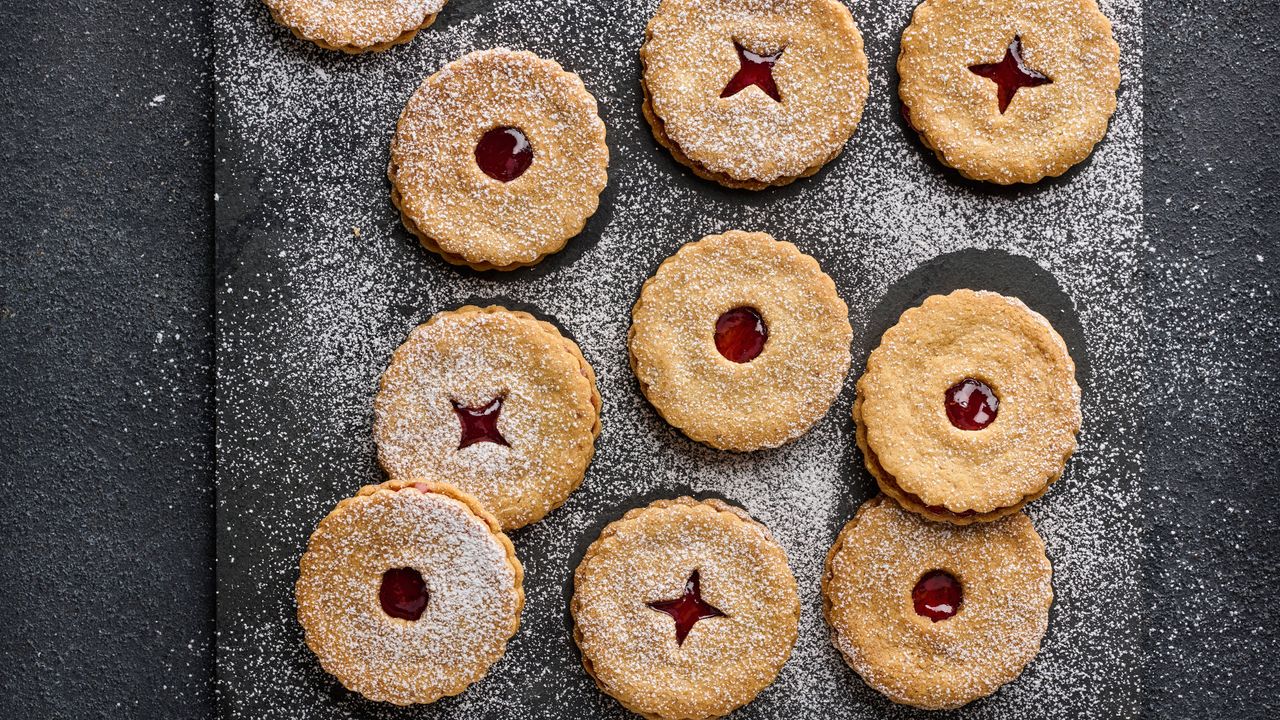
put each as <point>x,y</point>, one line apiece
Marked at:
<point>310,312</point>
<point>471,586</point>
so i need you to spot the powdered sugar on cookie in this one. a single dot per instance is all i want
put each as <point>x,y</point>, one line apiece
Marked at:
<point>473,586</point>
<point>355,26</point>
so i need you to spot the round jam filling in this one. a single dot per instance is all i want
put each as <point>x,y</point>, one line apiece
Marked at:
<point>972,404</point>
<point>741,334</point>
<point>504,153</point>
<point>937,595</point>
<point>403,594</point>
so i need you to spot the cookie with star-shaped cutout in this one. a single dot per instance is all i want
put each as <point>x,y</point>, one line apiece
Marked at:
<point>684,609</point>
<point>753,94</point>
<point>1008,91</point>
<point>495,402</point>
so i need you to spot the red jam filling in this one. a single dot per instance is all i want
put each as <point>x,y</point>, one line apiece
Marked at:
<point>688,609</point>
<point>754,69</point>
<point>403,594</point>
<point>504,153</point>
<point>741,334</point>
<point>1010,74</point>
<point>480,424</point>
<point>937,595</point>
<point>972,404</point>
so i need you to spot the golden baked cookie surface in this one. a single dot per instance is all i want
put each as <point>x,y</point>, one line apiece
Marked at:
<point>466,360</point>
<point>914,450</point>
<point>650,556</point>
<point>473,584</point>
<point>749,139</point>
<point>1045,129</point>
<point>1003,613</point>
<point>355,26</point>
<point>773,398</point>
<point>455,208</point>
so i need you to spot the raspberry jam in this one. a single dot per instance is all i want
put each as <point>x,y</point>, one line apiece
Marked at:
<point>972,404</point>
<point>1010,74</point>
<point>755,70</point>
<point>937,595</point>
<point>403,594</point>
<point>741,334</point>
<point>688,609</point>
<point>504,153</point>
<point>480,424</point>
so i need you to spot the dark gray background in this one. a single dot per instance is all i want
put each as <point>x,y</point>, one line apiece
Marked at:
<point>106,520</point>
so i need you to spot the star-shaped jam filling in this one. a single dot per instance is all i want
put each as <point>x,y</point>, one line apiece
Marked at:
<point>688,609</point>
<point>479,424</point>
<point>1010,74</point>
<point>754,69</point>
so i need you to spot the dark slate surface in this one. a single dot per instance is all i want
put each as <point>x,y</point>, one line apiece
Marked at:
<point>106,495</point>
<point>1213,304</point>
<point>106,521</point>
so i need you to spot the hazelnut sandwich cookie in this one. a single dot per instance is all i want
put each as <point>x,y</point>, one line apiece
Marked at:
<point>355,26</point>
<point>1008,91</point>
<point>684,609</point>
<point>498,160</point>
<point>740,341</point>
<point>753,93</point>
<point>493,401</point>
<point>969,407</point>
<point>409,591</point>
<point>936,615</point>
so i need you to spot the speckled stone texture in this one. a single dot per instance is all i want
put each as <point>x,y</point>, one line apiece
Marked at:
<point>106,483</point>
<point>106,523</point>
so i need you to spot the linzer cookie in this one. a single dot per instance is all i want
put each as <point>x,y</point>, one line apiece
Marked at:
<point>498,160</point>
<point>753,93</point>
<point>495,402</point>
<point>969,408</point>
<point>408,592</point>
<point>684,609</point>
<point>740,341</point>
<point>936,615</point>
<point>355,26</point>
<point>1009,91</point>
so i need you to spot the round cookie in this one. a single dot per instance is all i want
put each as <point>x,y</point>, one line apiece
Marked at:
<point>1008,91</point>
<point>498,160</point>
<point>936,615</point>
<point>408,592</point>
<point>493,401</point>
<point>801,339</point>
<point>938,353</point>
<point>753,94</point>
<point>684,609</point>
<point>355,26</point>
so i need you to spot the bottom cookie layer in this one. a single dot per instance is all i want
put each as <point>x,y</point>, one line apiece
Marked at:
<point>889,486</point>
